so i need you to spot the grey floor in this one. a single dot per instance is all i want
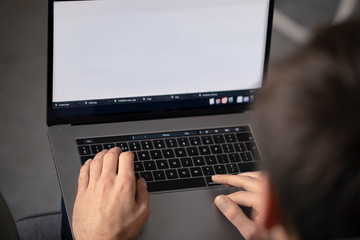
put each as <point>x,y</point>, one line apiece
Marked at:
<point>28,179</point>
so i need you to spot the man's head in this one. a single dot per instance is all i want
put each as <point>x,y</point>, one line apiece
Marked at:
<point>309,120</point>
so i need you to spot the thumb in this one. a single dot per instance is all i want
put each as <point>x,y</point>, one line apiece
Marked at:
<point>236,216</point>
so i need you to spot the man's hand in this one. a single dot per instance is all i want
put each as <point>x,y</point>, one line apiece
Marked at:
<point>110,205</point>
<point>253,197</point>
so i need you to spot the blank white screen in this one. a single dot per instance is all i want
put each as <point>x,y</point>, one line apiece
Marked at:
<point>118,49</point>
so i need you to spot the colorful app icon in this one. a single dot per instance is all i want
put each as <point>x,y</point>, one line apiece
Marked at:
<point>224,100</point>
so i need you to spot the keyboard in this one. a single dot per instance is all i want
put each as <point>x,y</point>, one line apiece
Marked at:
<point>182,159</point>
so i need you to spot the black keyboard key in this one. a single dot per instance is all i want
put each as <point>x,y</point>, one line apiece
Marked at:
<point>245,137</point>
<point>207,139</point>
<point>134,146</point>
<point>210,160</point>
<point>176,184</point>
<point>222,158</point>
<point>168,153</point>
<point>192,151</point>
<point>159,175</point>
<point>220,169</point>
<point>248,167</point>
<point>138,167</point>
<point>171,174</point>
<point>159,143</point>
<point>198,161</point>
<point>184,173</point>
<point>147,145</point>
<point>204,150</point>
<point>210,182</point>
<point>123,145</point>
<point>239,147</point>
<point>228,148</point>
<point>183,142</point>
<point>162,164</point>
<point>251,146</point>
<point>180,152</point>
<point>108,145</point>
<point>186,162</point>
<point>232,168</point>
<point>149,165</point>
<point>216,149</point>
<point>84,150</point>
<point>195,141</point>
<point>196,172</point>
<point>85,158</point>
<point>234,157</point>
<point>208,170</point>
<point>171,142</point>
<point>219,139</point>
<point>156,154</point>
<point>96,148</point>
<point>246,156</point>
<point>229,137</point>
<point>147,176</point>
<point>143,155</point>
<point>174,163</point>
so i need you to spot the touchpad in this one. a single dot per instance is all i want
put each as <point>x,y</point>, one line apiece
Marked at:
<point>188,215</point>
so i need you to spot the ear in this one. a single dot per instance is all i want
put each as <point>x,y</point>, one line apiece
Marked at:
<point>272,213</point>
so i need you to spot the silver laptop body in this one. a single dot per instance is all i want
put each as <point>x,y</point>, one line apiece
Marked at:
<point>139,67</point>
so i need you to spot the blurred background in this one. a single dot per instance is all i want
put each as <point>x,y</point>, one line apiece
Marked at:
<point>28,178</point>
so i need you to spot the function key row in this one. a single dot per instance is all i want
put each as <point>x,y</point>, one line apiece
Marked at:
<point>215,131</point>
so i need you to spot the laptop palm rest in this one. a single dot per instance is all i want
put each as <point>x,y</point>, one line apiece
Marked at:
<point>188,215</point>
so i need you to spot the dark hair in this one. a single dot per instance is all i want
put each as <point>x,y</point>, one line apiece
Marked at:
<point>309,125</point>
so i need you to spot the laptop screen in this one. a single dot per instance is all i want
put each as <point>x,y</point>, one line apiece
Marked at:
<point>124,56</point>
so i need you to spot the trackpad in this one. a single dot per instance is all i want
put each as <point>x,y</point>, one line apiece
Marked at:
<point>188,215</point>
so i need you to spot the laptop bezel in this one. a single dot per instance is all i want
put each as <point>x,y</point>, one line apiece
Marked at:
<point>59,116</point>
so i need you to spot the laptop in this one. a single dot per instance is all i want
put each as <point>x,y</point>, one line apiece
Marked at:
<point>170,80</point>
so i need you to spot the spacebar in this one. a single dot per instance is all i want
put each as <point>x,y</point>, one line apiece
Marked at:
<point>176,184</point>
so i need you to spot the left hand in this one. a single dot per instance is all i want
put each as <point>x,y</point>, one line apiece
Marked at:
<point>252,183</point>
<point>110,205</point>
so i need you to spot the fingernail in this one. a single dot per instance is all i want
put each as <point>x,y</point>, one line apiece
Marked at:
<point>214,177</point>
<point>221,202</point>
<point>143,182</point>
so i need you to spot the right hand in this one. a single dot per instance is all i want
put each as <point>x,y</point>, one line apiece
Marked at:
<point>252,183</point>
